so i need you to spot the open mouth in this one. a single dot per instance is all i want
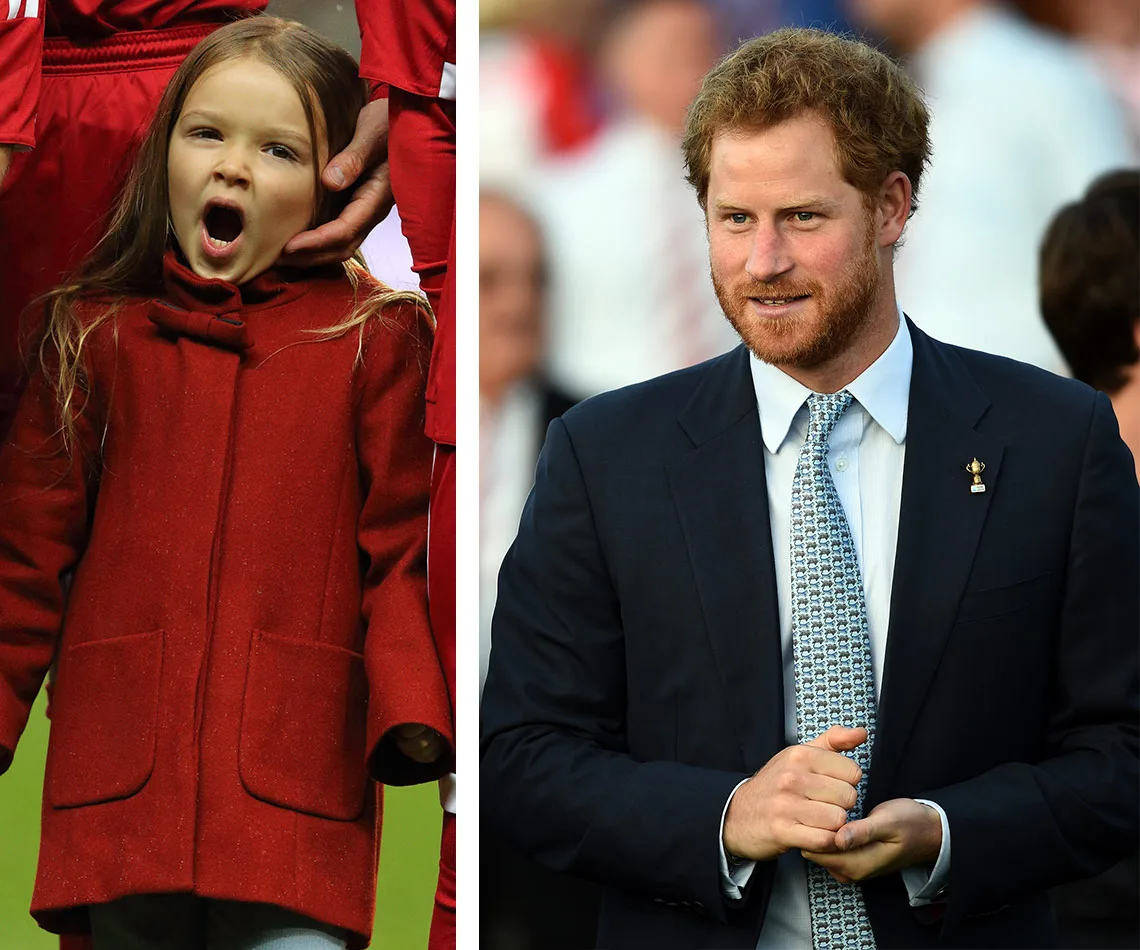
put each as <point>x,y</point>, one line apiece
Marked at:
<point>223,224</point>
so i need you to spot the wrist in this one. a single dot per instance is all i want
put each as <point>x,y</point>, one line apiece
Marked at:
<point>931,834</point>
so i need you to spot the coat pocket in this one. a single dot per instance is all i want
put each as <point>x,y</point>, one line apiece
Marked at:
<point>104,720</point>
<point>997,602</point>
<point>303,726</point>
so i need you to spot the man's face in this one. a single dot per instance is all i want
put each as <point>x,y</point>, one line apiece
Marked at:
<point>511,284</point>
<point>240,168</point>
<point>793,250</point>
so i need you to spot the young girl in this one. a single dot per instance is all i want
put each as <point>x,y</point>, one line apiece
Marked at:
<point>230,458</point>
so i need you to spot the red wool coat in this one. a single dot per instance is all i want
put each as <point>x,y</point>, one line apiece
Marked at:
<point>246,515</point>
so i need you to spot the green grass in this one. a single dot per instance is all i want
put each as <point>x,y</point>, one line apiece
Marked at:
<point>408,858</point>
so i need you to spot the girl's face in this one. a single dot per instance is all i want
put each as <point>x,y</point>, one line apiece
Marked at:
<point>241,170</point>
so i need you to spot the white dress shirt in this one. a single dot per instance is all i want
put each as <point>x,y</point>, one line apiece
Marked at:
<point>866,453</point>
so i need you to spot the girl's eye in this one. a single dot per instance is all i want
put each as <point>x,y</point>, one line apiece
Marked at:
<point>280,151</point>
<point>210,134</point>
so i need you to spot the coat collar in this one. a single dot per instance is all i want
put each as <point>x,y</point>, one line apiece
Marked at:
<point>272,288</point>
<point>214,311</point>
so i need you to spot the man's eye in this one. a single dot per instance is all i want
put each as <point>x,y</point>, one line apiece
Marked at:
<point>738,218</point>
<point>805,216</point>
<point>280,151</point>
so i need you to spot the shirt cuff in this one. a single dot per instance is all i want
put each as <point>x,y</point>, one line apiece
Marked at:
<point>925,884</point>
<point>734,873</point>
<point>447,792</point>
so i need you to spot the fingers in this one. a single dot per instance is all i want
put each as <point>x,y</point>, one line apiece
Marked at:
<point>369,147</point>
<point>805,782</point>
<point>829,862</point>
<point>807,838</point>
<point>338,240</point>
<point>857,834</point>
<point>814,758</point>
<point>331,243</point>
<point>840,739</point>
<point>872,861</point>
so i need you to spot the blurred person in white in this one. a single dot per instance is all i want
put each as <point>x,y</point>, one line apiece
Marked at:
<point>537,91</point>
<point>515,403</point>
<point>630,295</point>
<point>1020,124</point>
<point>1108,32</point>
<point>523,906</point>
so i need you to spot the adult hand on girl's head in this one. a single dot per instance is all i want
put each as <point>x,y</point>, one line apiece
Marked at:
<point>363,163</point>
<point>419,742</point>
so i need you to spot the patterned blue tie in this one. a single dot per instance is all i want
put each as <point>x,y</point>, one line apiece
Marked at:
<point>831,649</point>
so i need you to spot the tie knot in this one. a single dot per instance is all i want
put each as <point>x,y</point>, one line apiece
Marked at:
<point>824,411</point>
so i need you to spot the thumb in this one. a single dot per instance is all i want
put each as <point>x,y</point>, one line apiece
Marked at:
<point>369,146</point>
<point>856,834</point>
<point>840,739</point>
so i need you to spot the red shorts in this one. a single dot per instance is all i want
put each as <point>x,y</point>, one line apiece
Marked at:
<point>421,149</point>
<point>95,105</point>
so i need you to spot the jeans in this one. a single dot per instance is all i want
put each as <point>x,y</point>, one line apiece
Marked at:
<point>187,922</point>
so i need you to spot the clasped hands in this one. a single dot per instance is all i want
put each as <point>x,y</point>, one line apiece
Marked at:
<point>800,799</point>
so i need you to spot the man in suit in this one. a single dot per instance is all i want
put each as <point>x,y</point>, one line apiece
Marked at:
<point>832,640</point>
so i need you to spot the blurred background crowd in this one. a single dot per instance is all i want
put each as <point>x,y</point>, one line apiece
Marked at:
<point>594,270</point>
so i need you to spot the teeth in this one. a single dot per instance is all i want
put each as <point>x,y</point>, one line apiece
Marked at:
<point>217,242</point>
<point>776,303</point>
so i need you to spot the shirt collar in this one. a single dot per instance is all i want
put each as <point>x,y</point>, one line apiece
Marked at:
<point>882,389</point>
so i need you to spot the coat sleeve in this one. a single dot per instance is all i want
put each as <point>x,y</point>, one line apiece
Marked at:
<point>557,776</point>
<point>21,49</point>
<point>1023,827</point>
<point>406,683</point>
<point>46,497</point>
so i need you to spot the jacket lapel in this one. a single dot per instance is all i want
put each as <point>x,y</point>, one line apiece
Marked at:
<point>940,523</point>
<point>721,497</point>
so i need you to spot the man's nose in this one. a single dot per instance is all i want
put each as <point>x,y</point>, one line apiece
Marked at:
<point>769,257</point>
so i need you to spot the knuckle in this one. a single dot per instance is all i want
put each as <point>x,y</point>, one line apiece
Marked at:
<point>820,840</point>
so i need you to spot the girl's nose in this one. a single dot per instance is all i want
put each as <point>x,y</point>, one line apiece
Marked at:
<point>232,169</point>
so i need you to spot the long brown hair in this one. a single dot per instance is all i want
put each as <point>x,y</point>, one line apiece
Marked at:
<point>127,261</point>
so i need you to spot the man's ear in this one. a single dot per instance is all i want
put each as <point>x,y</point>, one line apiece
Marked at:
<point>893,208</point>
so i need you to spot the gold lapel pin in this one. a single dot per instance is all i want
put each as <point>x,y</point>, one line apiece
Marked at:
<point>976,468</point>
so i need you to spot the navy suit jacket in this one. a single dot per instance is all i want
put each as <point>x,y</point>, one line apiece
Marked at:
<point>636,672</point>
